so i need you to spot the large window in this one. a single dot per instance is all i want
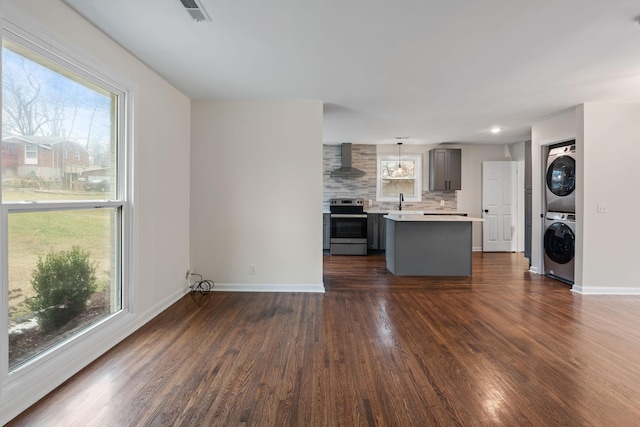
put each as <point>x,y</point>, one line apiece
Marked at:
<point>63,243</point>
<point>399,175</point>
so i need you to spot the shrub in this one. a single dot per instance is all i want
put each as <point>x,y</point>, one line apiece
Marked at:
<point>64,281</point>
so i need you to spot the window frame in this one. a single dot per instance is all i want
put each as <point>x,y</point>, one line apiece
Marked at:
<point>417,180</point>
<point>121,202</point>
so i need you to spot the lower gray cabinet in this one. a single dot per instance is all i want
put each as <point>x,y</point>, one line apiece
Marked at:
<point>382,233</point>
<point>326,231</point>
<point>376,234</point>
<point>372,231</point>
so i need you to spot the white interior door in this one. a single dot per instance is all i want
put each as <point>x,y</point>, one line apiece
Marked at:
<point>499,206</point>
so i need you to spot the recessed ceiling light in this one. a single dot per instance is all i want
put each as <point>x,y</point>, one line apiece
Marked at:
<point>496,129</point>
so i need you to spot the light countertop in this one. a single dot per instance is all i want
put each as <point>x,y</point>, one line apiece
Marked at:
<point>432,212</point>
<point>432,218</point>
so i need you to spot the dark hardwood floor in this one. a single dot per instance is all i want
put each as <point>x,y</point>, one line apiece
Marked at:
<point>505,347</point>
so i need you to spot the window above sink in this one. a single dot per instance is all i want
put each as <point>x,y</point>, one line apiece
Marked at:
<point>397,175</point>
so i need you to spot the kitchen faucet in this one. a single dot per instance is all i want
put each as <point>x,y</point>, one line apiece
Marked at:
<point>400,200</point>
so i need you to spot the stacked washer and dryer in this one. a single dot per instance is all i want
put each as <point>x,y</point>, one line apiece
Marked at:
<point>560,215</point>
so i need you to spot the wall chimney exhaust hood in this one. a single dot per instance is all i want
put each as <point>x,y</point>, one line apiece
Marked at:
<point>346,171</point>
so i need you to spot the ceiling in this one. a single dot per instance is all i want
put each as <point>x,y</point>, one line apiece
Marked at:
<point>432,70</point>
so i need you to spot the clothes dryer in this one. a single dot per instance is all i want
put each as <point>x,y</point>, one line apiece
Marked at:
<point>559,246</point>
<point>561,178</point>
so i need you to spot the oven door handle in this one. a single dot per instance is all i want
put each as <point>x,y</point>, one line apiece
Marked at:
<point>348,215</point>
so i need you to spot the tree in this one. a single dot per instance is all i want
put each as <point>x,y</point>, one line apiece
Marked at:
<point>21,100</point>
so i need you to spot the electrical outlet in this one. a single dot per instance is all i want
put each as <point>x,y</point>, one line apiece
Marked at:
<point>441,202</point>
<point>252,269</point>
<point>602,208</point>
<point>187,278</point>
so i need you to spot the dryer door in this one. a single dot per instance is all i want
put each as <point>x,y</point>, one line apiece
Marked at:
<point>561,179</point>
<point>559,243</point>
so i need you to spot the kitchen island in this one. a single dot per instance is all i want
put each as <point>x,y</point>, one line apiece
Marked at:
<point>429,245</point>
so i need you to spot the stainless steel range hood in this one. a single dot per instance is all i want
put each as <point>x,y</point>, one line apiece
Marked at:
<point>346,171</point>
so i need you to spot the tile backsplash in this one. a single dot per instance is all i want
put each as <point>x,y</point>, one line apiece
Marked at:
<point>364,158</point>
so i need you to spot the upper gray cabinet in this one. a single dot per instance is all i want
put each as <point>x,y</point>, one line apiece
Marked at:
<point>445,169</point>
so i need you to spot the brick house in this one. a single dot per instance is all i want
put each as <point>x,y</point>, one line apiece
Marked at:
<point>45,158</point>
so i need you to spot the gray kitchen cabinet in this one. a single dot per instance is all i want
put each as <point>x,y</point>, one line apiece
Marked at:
<point>445,169</point>
<point>326,231</point>
<point>373,234</point>
<point>376,237</point>
<point>382,233</point>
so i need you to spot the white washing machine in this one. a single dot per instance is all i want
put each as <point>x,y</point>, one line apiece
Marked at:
<point>561,178</point>
<point>559,246</point>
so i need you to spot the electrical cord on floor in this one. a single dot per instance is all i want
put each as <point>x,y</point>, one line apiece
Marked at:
<point>200,289</point>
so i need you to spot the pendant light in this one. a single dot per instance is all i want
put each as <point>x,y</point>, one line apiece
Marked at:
<point>399,171</point>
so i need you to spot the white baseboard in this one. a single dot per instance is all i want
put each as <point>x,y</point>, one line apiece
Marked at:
<point>534,270</point>
<point>603,290</point>
<point>476,248</point>
<point>269,287</point>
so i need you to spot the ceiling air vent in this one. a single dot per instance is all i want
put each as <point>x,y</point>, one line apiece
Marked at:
<point>195,10</point>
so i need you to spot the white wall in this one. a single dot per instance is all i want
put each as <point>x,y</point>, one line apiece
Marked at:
<point>256,194</point>
<point>611,175</point>
<point>161,136</point>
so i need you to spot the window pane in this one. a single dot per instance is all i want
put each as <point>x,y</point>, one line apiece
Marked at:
<point>394,169</point>
<point>397,177</point>
<point>58,131</point>
<point>393,187</point>
<point>63,276</point>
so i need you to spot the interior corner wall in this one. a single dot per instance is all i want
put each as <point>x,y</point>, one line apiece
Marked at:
<point>516,151</point>
<point>611,173</point>
<point>161,138</point>
<point>256,193</point>
<point>160,200</point>
<point>560,128</point>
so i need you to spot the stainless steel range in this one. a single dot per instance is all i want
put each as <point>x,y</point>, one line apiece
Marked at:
<point>348,227</point>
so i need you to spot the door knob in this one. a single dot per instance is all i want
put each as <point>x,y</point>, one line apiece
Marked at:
<point>486,211</point>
